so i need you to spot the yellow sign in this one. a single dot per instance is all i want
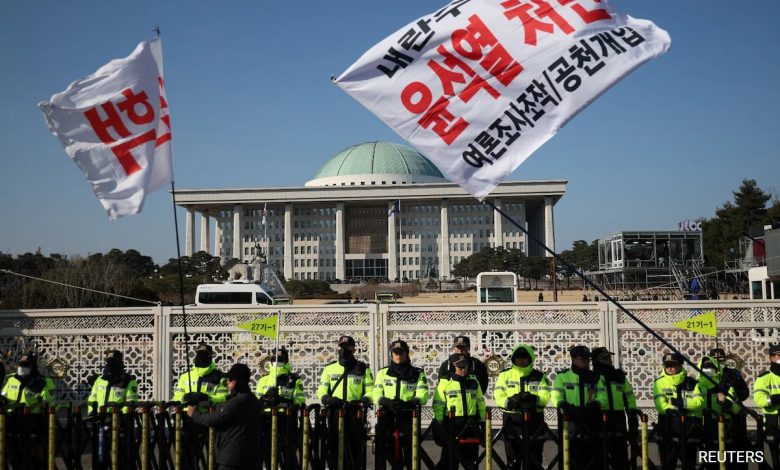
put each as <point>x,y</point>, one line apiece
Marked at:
<point>706,324</point>
<point>268,327</point>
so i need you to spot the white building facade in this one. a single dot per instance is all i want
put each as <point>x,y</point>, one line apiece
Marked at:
<point>345,223</point>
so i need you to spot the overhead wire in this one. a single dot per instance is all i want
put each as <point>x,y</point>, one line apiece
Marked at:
<point>113,294</point>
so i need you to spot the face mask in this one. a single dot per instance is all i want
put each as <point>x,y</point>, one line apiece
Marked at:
<point>23,371</point>
<point>113,368</point>
<point>709,372</point>
<point>202,360</point>
<point>345,354</point>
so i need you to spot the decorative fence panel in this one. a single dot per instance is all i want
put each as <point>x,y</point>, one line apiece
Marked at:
<point>745,329</point>
<point>494,329</point>
<point>71,343</point>
<point>309,332</point>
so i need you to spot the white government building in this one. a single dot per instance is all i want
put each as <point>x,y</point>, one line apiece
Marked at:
<point>341,224</point>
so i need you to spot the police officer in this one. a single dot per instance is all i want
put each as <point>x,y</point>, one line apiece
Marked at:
<point>203,384</point>
<point>27,388</point>
<point>462,394</point>
<point>477,368</point>
<point>398,389</point>
<point>523,391</point>
<point>346,381</point>
<point>731,377</point>
<point>113,387</point>
<point>620,404</point>
<point>281,386</point>
<point>579,393</point>
<point>676,394</point>
<point>766,394</point>
<point>716,393</point>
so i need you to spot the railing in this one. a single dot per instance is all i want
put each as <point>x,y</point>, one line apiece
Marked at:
<point>161,437</point>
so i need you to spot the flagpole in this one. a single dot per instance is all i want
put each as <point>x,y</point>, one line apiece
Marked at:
<point>181,285</point>
<point>181,271</point>
<point>276,355</point>
<point>601,291</point>
<point>400,221</point>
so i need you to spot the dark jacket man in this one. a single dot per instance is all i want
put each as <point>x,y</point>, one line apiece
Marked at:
<point>236,423</point>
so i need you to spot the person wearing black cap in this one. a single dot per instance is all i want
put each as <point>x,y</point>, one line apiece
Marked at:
<point>717,402</point>
<point>236,423</point>
<point>461,394</point>
<point>346,381</point>
<point>521,389</point>
<point>203,385</point>
<point>114,386</point>
<point>281,386</point>
<point>203,382</point>
<point>766,394</point>
<point>579,393</point>
<point>731,377</point>
<point>398,389</point>
<point>462,345</point>
<point>621,404</point>
<point>27,388</point>
<point>675,395</point>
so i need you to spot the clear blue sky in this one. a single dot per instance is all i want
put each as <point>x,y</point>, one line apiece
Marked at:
<point>252,106</point>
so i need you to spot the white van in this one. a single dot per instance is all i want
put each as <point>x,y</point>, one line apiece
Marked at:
<point>234,293</point>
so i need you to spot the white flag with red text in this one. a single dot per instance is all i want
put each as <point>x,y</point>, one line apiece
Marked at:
<point>115,125</point>
<point>479,85</point>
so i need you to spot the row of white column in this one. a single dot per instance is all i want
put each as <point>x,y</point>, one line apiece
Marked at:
<point>393,242</point>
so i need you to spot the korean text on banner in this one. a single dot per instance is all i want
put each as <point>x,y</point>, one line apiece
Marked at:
<point>268,327</point>
<point>479,85</point>
<point>115,125</point>
<point>705,323</point>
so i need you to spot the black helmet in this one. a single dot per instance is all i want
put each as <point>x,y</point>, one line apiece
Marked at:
<point>579,351</point>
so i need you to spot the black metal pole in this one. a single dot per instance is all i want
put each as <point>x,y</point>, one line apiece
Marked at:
<point>181,285</point>
<point>601,291</point>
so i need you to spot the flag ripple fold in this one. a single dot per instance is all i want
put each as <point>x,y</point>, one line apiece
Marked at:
<point>115,125</point>
<point>477,86</point>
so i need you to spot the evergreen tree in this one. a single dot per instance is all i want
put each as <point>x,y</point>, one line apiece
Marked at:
<point>733,221</point>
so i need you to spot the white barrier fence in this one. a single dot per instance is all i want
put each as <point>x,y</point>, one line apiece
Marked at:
<point>71,343</point>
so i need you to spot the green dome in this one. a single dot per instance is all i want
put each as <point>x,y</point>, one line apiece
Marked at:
<point>376,160</point>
